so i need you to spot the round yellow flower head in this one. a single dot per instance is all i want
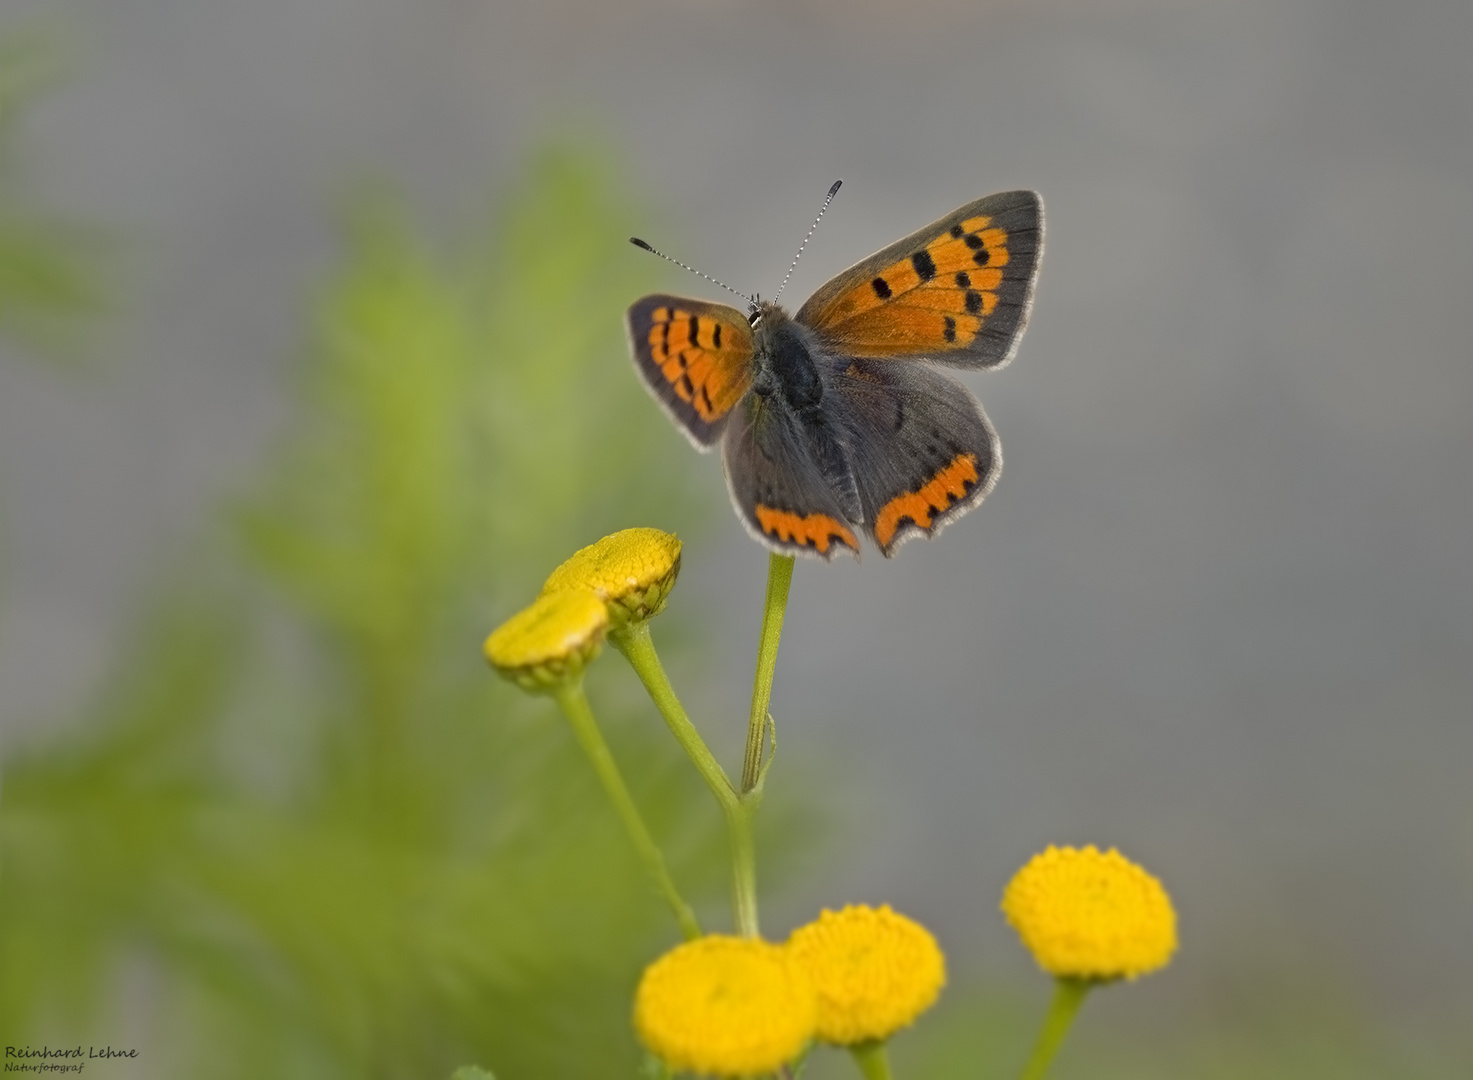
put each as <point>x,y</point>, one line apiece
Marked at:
<point>549,642</point>
<point>875,971</point>
<point>1087,914</point>
<point>725,1006</point>
<point>632,571</point>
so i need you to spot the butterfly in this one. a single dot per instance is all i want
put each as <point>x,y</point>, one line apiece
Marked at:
<point>836,420</point>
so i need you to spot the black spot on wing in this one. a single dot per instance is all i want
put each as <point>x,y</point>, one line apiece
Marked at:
<point>881,287</point>
<point>925,267</point>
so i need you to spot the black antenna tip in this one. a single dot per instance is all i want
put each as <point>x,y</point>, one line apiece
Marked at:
<point>834,190</point>
<point>637,242</point>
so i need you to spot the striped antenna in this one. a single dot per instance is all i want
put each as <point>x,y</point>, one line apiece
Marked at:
<point>637,242</point>
<point>826,200</point>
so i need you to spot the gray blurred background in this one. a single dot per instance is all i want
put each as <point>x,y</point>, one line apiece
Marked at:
<point>1219,611</point>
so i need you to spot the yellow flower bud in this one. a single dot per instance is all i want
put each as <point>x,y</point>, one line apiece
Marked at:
<point>875,971</point>
<point>632,571</point>
<point>550,642</point>
<point>1087,914</point>
<point>725,1006</point>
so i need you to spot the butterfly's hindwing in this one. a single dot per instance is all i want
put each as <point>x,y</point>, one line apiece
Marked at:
<point>779,491</point>
<point>957,291</point>
<point>695,357</point>
<point>922,449</point>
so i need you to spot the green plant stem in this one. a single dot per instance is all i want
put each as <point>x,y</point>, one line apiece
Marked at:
<point>738,807</point>
<point>779,578</point>
<point>1068,996</point>
<point>638,647</point>
<point>872,1059</point>
<point>574,704</point>
<point>743,867</point>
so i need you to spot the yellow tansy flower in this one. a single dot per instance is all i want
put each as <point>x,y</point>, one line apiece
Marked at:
<point>875,971</point>
<point>1087,914</point>
<point>549,642</point>
<point>632,571</point>
<point>725,1006</point>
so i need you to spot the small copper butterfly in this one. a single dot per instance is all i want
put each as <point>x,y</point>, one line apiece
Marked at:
<point>836,420</point>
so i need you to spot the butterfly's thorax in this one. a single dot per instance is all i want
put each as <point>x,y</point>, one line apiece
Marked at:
<point>783,354</point>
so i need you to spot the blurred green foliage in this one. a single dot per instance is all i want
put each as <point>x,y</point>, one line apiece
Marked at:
<point>304,831</point>
<point>471,1072</point>
<point>47,263</point>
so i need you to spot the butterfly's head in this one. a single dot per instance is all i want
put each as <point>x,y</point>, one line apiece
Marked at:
<point>767,311</point>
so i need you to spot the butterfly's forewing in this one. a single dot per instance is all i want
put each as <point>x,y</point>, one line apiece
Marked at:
<point>696,358</point>
<point>923,450</point>
<point>776,486</point>
<point>957,292</point>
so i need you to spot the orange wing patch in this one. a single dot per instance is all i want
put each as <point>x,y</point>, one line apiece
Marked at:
<point>933,300</point>
<point>818,531</point>
<point>702,358</point>
<point>933,497</point>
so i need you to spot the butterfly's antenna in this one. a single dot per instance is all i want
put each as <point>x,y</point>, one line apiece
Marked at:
<point>637,242</point>
<point>826,200</point>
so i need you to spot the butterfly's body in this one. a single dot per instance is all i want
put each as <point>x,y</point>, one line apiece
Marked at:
<point>835,418</point>
<point>782,359</point>
<point>790,372</point>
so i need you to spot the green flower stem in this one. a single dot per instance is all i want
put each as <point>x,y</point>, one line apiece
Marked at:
<point>1068,996</point>
<point>638,647</point>
<point>873,1061</point>
<point>574,703</point>
<point>779,578</point>
<point>743,867</point>
<point>737,807</point>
